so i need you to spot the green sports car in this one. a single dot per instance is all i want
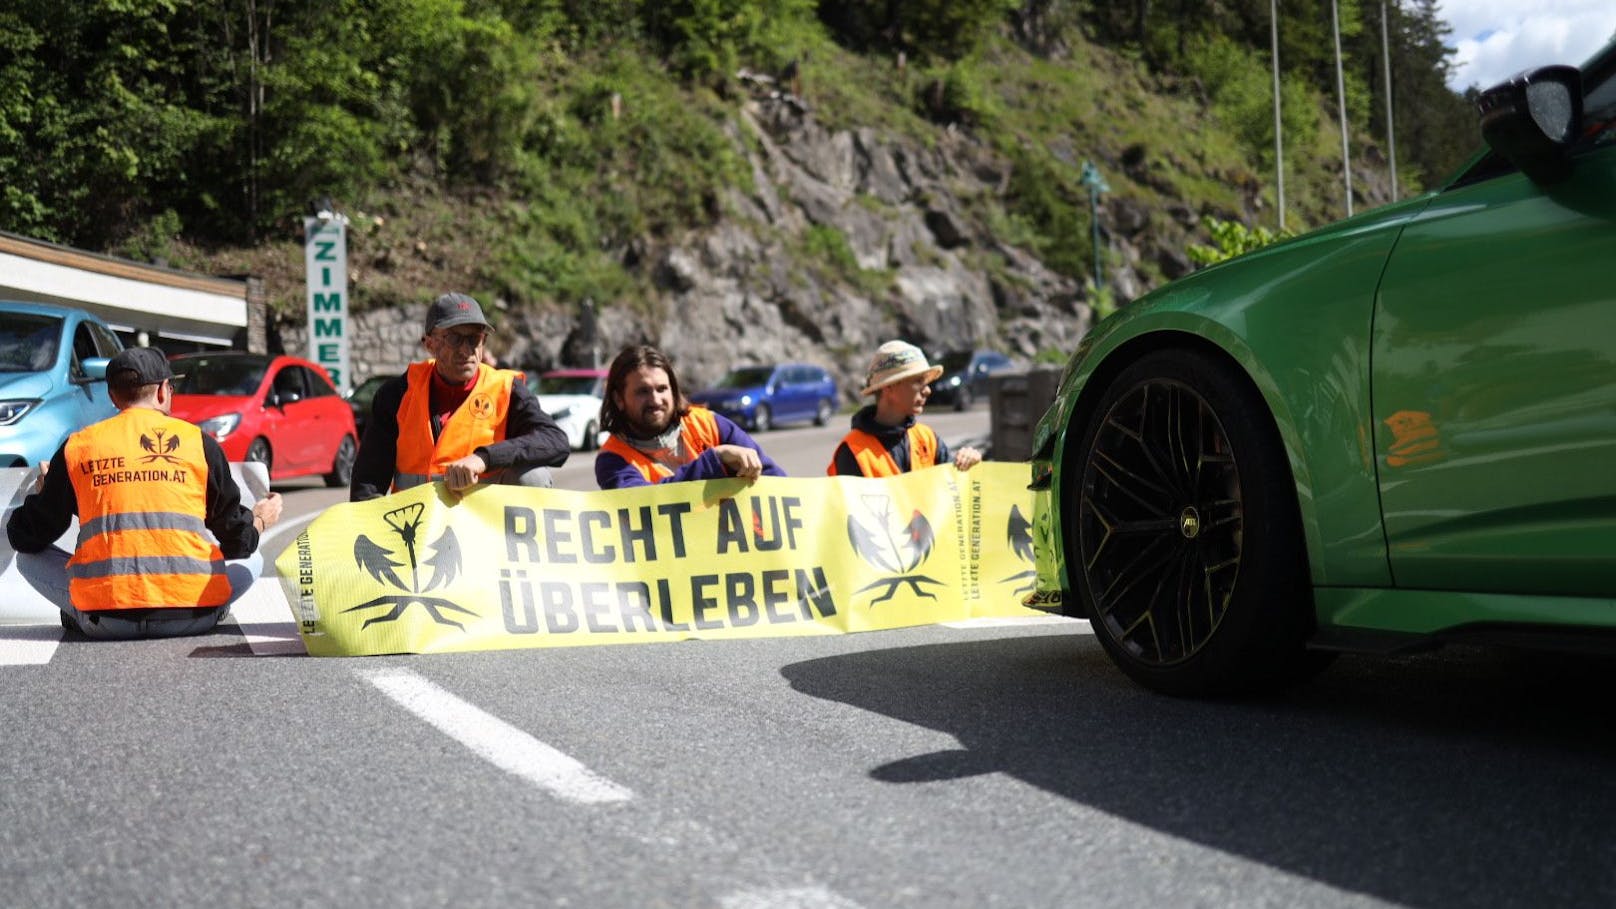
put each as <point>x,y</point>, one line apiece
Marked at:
<point>1395,431</point>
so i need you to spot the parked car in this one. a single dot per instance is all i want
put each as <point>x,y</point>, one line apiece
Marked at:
<point>53,370</point>
<point>280,411</point>
<point>573,398</point>
<point>1392,432</point>
<point>760,397</point>
<point>360,398</point>
<point>966,376</point>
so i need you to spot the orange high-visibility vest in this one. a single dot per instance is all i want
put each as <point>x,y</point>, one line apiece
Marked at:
<point>480,420</point>
<point>141,482</point>
<point>698,431</point>
<point>875,461</point>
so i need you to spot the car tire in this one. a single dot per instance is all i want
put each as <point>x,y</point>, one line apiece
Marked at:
<point>762,420</point>
<point>259,451</point>
<point>822,415</point>
<point>962,398</point>
<point>342,465</point>
<point>591,437</point>
<point>1183,532</point>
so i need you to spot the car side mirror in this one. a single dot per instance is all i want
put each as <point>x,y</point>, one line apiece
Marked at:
<point>1533,119</point>
<point>95,369</point>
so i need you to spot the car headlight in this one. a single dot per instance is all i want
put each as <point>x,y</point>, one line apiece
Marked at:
<point>221,426</point>
<point>561,414</point>
<point>12,411</point>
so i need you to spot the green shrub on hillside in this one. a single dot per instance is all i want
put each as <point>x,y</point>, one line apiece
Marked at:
<point>1231,239</point>
<point>1240,86</point>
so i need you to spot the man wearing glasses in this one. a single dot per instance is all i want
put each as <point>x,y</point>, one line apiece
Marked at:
<point>455,418</point>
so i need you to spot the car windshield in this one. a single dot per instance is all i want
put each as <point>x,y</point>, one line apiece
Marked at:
<point>233,376</point>
<point>28,341</point>
<point>745,377</point>
<point>568,385</point>
<point>955,360</point>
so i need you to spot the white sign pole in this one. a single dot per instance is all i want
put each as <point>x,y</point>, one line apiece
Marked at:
<point>325,256</point>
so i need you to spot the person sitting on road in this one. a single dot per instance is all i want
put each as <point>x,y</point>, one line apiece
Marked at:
<point>658,436</point>
<point>886,438</point>
<point>455,418</point>
<point>148,490</point>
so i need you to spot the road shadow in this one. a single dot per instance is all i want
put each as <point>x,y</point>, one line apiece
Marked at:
<point>1465,777</point>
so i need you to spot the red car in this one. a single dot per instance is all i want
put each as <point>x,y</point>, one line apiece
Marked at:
<point>281,411</point>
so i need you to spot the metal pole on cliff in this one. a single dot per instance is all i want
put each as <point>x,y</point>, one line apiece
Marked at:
<point>1096,185</point>
<point>1279,130</point>
<point>1341,101</point>
<point>1386,61</point>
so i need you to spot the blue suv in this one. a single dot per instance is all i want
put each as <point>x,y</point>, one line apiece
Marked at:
<point>53,370</point>
<point>758,397</point>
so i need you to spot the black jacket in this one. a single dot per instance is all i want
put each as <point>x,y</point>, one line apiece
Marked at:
<point>895,439</point>
<point>532,439</point>
<point>44,516</point>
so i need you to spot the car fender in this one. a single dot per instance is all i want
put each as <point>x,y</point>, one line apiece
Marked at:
<point>1295,319</point>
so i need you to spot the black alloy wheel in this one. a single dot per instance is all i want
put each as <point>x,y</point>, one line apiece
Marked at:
<point>763,421</point>
<point>1186,533</point>
<point>822,415</point>
<point>962,398</point>
<point>342,465</point>
<point>591,437</point>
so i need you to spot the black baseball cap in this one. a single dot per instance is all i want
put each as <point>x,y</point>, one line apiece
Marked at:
<point>450,310</point>
<point>139,366</point>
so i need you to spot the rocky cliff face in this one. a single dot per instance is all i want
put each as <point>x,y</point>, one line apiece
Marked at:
<point>917,262</point>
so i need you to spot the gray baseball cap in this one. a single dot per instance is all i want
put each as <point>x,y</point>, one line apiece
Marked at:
<point>450,310</point>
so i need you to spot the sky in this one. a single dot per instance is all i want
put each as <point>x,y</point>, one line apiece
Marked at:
<point>1494,39</point>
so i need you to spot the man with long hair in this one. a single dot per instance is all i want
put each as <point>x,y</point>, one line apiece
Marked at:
<point>658,436</point>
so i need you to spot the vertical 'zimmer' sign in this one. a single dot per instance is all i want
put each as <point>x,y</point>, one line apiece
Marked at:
<point>325,255</point>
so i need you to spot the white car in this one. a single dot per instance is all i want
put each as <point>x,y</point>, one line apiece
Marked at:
<point>573,398</point>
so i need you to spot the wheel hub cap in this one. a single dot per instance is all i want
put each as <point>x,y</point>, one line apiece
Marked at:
<point>1189,522</point>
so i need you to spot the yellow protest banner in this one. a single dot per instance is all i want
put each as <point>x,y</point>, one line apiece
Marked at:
<point>507,567</point>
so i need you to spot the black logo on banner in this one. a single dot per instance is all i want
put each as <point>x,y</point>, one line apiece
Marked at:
<point>1018,534</point>
<point>898,552</point>
<point>168,448</point>
<point>378,560</point>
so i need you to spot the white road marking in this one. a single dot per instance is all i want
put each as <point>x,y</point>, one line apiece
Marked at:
<point>280,528</point>
<point>1014,621</point>
<point>28,645</point>
<point>496,741</point>
<point>787,898</point>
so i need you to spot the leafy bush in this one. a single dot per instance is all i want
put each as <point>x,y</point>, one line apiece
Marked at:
<point>1230,239</point>
<point>1047,196</point>
<point>1240,85</point>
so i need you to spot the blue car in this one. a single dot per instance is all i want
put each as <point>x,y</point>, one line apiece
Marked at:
<point>759,397</point>
<point>53,370</point>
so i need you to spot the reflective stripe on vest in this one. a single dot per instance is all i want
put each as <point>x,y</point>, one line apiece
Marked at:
<point>875,461</point>
<point>478,421</point>
<point>698,431</point>
<point>140,480</point>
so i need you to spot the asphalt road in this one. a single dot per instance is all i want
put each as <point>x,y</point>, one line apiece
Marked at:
<point>990,765</point>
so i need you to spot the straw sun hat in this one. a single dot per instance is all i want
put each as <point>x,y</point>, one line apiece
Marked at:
<point>895,361</point>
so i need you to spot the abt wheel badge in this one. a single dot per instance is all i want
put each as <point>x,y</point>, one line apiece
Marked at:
<point>1189,522</point>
